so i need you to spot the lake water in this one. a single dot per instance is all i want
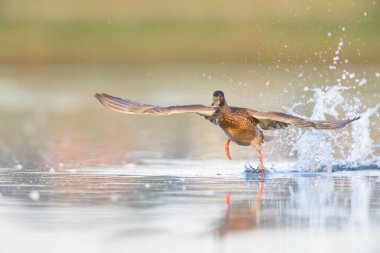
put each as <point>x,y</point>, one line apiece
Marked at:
<point>76,177</point>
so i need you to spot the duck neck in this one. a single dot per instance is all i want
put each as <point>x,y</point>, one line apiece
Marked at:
<point>224,108</point>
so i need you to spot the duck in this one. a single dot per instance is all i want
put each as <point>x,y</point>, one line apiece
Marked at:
<point>242,126</point>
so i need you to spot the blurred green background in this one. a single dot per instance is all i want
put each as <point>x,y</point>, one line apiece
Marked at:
<point>141,31</point>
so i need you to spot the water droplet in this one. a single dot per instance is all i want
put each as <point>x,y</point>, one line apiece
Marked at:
<point>362,82</point>
<point>34,195</point>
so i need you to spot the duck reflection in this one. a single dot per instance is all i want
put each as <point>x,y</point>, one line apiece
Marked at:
<point>240,216</point>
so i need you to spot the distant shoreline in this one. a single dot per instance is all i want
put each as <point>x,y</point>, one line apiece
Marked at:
<point>181,41</point>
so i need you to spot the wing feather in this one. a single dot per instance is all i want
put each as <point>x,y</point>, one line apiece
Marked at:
<point>133,107</point>
<point>270,120</point>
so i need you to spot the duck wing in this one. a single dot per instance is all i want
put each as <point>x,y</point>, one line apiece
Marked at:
<point>276,120</point>
<point>211,118</point>
<point>132,107</point>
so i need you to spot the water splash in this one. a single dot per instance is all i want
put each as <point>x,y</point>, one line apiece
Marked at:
<point>362,149</point>
<point>352,148</point>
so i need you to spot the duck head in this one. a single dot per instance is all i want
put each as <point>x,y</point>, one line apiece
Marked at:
<point>218,98</point>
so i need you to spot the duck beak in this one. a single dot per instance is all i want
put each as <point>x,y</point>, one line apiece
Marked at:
<point>215,101</point>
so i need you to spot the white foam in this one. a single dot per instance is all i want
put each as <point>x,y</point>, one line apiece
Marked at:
<point>352,147</point>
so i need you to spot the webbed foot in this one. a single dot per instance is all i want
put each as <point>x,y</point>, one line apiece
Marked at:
<point>248,168</point>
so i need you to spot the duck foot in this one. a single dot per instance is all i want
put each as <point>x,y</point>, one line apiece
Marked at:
<point>248,168</point>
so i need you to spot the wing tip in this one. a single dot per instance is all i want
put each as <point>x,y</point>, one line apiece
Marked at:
<point>99,95</point>
<point>103,99</point>
<point>353,119</point>
<point>103,96</point>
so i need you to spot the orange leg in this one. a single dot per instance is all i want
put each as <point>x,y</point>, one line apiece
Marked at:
<point>261,184</point>
<point>261,161</point>
<point>227,199</point>
<point>227,149</point>
<point>257,207</point>
<point>261,188</point>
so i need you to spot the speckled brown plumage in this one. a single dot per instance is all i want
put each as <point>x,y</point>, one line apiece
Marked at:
<point>239,126</point>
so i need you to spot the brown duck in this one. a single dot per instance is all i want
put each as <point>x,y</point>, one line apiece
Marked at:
<point>241,125</point>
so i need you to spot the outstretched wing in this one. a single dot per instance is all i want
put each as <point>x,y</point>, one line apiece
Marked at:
<point>133,107</point>
<point>274,120</point>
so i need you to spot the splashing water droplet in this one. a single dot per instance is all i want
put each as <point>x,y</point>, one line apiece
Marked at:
<point>362,82</point>
<point>349,148</point>
<point>362,146</point>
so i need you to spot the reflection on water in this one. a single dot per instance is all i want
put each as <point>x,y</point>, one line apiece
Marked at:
<point>77,177</point>
<point>241,219</point>
<point>118,211</point>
